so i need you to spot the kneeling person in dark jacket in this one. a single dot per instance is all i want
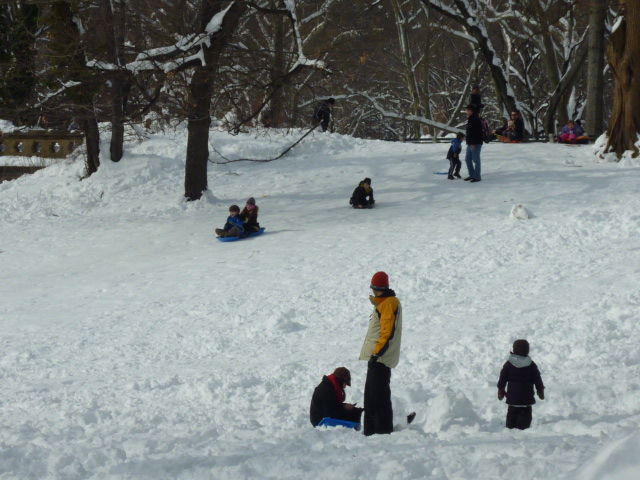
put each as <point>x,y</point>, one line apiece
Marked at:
<point>362,196</point>
<point>328,399</point>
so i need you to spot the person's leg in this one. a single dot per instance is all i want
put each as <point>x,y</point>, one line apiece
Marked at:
<point>369,403</point>
<point>233,232</point>
<point>512,417</point>
<point>524,418</point>
<point>476,162</point>
<point>383,410</point>
<point>458,164</point>
<point>468,159</point>
<point>452,166</point>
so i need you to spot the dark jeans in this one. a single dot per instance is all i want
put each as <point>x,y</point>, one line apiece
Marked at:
<point>378,412</point>
<point>519,417</point>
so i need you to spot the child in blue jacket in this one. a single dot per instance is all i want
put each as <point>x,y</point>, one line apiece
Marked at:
<point>454,156</point>
<point>235,224</point>
<point>521,374</point>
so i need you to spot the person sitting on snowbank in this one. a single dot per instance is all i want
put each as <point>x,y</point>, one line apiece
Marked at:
<point>521,374</point>
<point>570,133</point>
<point>362,196</point>
<point>250,214</point>
<point>235,225</point>
<point>328,399</point>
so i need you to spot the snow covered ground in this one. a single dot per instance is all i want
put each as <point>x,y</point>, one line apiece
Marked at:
<point>134,345</point>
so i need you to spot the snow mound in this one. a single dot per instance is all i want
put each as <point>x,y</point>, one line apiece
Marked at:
<point>451,408</point>
<point>519,212</point>
<point>619,460</point>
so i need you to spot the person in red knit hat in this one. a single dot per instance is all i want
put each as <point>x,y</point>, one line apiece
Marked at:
<point>381,349</point>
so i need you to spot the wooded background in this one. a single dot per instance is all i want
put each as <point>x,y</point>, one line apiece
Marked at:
<point>398,69</point>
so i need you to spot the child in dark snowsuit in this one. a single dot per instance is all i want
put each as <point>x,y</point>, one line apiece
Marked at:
<point>235,224</point>
<point>362,196</point>
<point>453,155</point>
<point>521,374</point>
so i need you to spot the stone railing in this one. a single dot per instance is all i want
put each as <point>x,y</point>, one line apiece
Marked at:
<point>40,143</point>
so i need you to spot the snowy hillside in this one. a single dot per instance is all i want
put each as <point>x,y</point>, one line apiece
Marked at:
<point>137,346</point>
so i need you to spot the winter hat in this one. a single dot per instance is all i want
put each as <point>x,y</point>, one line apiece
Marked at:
<point>367,181</point>
<point>251,201</point>
<point>521,348</point>
<point>234,208</point>
<point>473,107</point>
<point>380,281</point>
<point>342,373</point>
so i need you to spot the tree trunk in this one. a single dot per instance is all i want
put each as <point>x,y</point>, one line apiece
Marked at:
<point>112,33</point>
<point>201,89</point>
<point>624,58</point>
<point>275,114</point>
<point>409,72</point>
<point>92,140</point>
<point>562,88</point>
<point>595,88</point>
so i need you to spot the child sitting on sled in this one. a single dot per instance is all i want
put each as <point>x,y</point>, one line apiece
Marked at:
<point>250,215</point>
<point>235,225</point>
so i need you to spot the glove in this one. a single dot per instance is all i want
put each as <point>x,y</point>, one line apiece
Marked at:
<point>500,394</point>
<point>541,394</point>
<point>373,359</point>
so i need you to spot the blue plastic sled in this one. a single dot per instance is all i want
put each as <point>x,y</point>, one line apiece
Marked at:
<point>334,422</point>
<point>233,239</point>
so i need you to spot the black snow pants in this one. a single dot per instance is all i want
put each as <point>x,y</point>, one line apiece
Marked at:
<point>378,412</point>
<point>519,417</point>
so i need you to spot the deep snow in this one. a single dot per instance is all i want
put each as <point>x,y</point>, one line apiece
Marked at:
<point>135,345</point>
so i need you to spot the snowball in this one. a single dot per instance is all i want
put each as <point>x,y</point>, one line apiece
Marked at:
<point>519,212</point>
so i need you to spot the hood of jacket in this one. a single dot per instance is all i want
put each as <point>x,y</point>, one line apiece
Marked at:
<point>519,361</point>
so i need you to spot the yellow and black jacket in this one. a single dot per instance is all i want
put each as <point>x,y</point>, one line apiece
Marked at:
<point>385,330</point>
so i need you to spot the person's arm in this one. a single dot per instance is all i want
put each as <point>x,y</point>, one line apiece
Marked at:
<point>537,381</point>
<point>387,311</point>
<point>502,381</point>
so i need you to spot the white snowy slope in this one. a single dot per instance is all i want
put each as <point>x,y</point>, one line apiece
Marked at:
<point>134,345</point>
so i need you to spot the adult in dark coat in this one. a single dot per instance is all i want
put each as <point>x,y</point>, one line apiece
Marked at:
<point>362,196</point>
<point>475,138</point>
<point>328,399</point>
<point>322,113</point>
<point>516,134</point>
<point>475,98</point>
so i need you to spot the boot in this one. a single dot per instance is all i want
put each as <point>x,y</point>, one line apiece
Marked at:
<point>457,175</point>
<point>450,177</point>
<point>219,232</point>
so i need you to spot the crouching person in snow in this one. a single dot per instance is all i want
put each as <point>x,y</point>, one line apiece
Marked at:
<point>328,399</point>
<point>520,373</point>
<point>381,349</point>
<point>235,224</point>
<point>362,196</point>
